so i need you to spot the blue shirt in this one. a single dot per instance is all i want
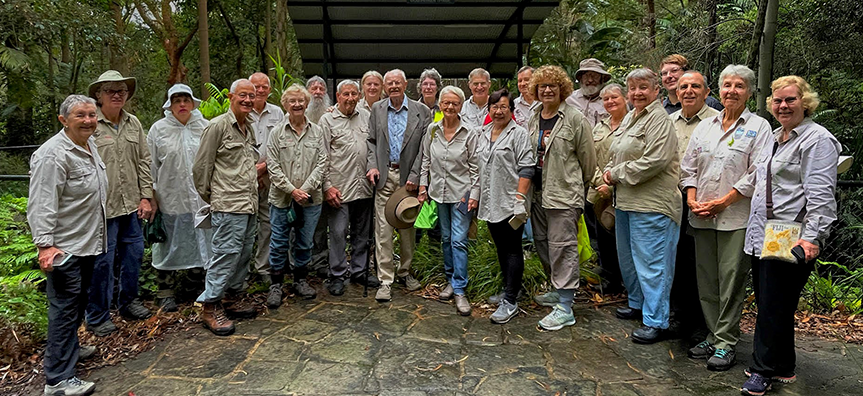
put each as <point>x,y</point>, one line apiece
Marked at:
<point>397,123</point>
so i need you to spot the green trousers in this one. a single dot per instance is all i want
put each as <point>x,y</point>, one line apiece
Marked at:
<point>721,270</point>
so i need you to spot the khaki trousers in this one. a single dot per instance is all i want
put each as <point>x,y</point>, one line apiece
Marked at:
<point>555,233</point>
<point>262,255</point>
<point>721,269</point>
<point>387,269</point>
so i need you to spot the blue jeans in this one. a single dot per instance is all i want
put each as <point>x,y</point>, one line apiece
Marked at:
<point>453,230</point>
<point>126,244</point>
<point>646,249</point>
<point>280,241</point>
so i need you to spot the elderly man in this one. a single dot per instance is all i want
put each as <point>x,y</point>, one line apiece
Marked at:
<point>347,194</point>
<point>122,145</point>
<point>524,105</point>
<point>692,91</point>
<point>591,77</point>
<point>320,100</point>
<point>475,109</point>
<point>671,69</point>
<point>225,176</point>
<point>396,128</point>
<point>265,116</point>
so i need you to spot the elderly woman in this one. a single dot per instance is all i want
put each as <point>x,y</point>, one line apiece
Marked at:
<point>372,85</point>
<point>565,163</point>
<point>173,143</point>
<point>614,101</point>
<point>428,87</point>
<point>799,163</point>
<point>506,163</point>
<point>720,154</point>
<point>66,212</point>
<point>297,163</point>
<point>522,107</point>
<point>450,176</point>
<point>644,168</point>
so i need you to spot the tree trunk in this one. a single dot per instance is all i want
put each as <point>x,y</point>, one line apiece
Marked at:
<point>52,88</point>
<point>204,47</point>
<point>651,23</point>
<point>765,61</point>
<point>757,32</point>
<point>118,61</point>
<point>711,40</point>
<point>237,41</point>
<point>268,36</point>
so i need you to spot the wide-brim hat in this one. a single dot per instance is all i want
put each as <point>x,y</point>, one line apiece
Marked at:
<point>594,65</point>
<point>604,213</point>
<point>402,208</point>
<point>112,76</point>
<point>180,89</point>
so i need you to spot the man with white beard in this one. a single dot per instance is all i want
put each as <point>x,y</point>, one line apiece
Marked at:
<point>591,77</point>
<point>320,101</point>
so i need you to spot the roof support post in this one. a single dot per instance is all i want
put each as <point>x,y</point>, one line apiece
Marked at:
<point>520,37</point>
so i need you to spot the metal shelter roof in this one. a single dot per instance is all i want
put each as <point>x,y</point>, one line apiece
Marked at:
<point>344,39</point>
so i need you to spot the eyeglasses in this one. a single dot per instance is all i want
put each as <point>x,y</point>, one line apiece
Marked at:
<point>499,107</point>
<point>789,100</point>
<point>543,87</point>
<point>244,95</point>
<point>449,104</point>
<point>112,92</point>
<point>673,70</point>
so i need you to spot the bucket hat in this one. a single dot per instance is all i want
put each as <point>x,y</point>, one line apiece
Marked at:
<point>112,76</point>
<point>594,65</point>
<point>402,208</point>
<point>604,212</point>
<point>178,89</point>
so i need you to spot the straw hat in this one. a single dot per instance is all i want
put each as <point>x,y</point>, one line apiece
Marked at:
<point>112,76</point>
<point>402,208</point>
<point>180,89</point>
<point>604,213</point>
<point>594,65</point>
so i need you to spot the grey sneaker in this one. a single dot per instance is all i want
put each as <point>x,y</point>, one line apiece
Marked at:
<point>86,352</point>
<point>505,312</point>
<point>446,293</point>
<point>557,319</point>
<point>102,329</point>
<point>274,297</point>
<point>701,351</point>
<point>462,305</point>
<point>384,293</point>
<point>497,298</point>
<point>135,310</point>
<point>304,289</point>
<point>70,387</point>
<point>411,283</point>
<point>549,299</point>
<point>722,360</point>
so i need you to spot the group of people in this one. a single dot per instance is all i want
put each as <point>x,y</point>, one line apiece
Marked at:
<point>676,194</point>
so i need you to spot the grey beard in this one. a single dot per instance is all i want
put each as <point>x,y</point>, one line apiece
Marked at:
<point>590,90</point>
<point>317,108</point>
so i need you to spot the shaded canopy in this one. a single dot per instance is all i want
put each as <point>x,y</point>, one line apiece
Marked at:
<point>344,39</point>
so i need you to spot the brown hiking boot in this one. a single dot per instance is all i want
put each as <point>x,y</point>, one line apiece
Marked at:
<point>213,317</point>
<point>236,308</point>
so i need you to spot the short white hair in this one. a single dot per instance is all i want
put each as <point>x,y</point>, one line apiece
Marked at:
<point>479,71</point>
<point>449,89</point>
<point>237,83</point>
<point>73,101</point>
<point>316,79</point>
<point>612,87</point>
<point>429,73</point>
<point>741,71</point>
<point>396,72</point>
<point>694,72</point>
<point>347,82</point>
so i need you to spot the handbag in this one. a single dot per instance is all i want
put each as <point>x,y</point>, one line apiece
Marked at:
<point>779,235</point>
<point>427,218</point>
<point>154,231</point>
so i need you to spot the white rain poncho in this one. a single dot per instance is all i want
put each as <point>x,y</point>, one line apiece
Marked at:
<point>173,147</point>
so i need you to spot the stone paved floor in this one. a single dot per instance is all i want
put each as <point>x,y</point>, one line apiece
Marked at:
<point>412,346</point>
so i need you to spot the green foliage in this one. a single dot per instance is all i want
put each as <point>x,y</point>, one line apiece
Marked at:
<point>23,305</point>
<point>21,301</point>
<point>217,104</point>
<point>833,286</point>
<point>17,253</point>
<point>281,81</point>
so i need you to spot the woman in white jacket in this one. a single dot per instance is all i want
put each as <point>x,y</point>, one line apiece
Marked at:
<point>173,143</point>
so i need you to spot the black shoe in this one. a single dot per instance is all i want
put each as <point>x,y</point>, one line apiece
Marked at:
<point>336,287</point>
<point>647,335</point>
<point>304,289</point>
<point>135,311</point>
<point>323,272</point>
<point>167,304</point>
<point>363,278</point>
<point>628,313</point>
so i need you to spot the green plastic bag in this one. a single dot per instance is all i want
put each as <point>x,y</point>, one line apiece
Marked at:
<point>154,231</point>
<point>585,252</point>
<point>427,219</point>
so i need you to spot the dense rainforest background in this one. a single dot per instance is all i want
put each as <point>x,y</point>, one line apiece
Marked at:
<point>51,48</point>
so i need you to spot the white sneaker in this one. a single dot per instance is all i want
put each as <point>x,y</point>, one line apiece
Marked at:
<point>505,312</point>
<point>70,387</point>
<point>557,319</point>
<point>384,293</point>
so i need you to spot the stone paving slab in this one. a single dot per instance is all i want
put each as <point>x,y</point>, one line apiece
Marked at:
<point>412,346</point>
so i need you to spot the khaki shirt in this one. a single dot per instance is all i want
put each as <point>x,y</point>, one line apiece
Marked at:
<point>645,164</point>
<point>264,122</point>
<point>602,138</point>
<point>570,160</point>
<point>502,163</point>
<point>685,127</point>
<point>224,171</point>
<point>345,140</point>
<point>68,193</point>
<point>522,110</point>
<point>718,161</point>
<point>296,160</point>
<point>127,158</point>
<point>472,115</point>
<point>592,108</point>
<point>450,168</point>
